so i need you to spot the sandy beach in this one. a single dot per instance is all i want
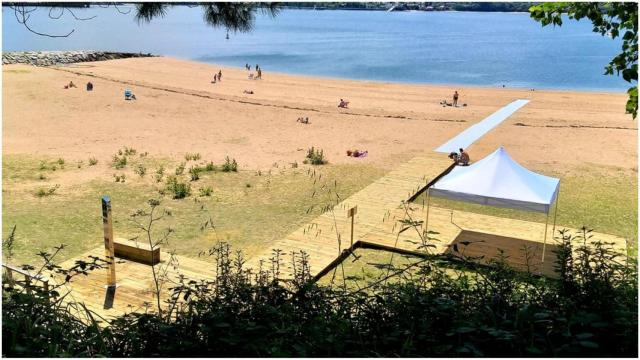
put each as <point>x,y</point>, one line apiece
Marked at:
<point>584,138</point>
<point>179,110</point>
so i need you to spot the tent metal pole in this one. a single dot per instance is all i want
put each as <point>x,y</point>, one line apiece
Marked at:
<point>426,221</point>
<point>544,244</point>
<point>555,215</point>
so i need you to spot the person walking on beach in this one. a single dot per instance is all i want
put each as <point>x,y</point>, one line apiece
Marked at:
<point>259,73</point>
<point>257,67</point>
<point>215,78</point>
<point>220,75</point>
<point>455,100</point>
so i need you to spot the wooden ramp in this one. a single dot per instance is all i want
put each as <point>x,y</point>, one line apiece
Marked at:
<point>324,238</point>
<point>135,284</point>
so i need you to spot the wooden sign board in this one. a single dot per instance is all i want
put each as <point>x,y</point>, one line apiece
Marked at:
<point>352,212</point>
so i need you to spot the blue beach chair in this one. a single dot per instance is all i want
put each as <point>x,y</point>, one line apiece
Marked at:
<point>128,95</point>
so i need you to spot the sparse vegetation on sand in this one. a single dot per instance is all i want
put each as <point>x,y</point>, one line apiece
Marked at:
<point>190,156</point>
<point>315,157</point>
<point>276,204</point>
<point>42,192</point>
<point>177,188</point>
<point>229,165</point>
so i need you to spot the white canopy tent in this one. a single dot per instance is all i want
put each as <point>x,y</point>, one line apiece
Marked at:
<point>497,180</point>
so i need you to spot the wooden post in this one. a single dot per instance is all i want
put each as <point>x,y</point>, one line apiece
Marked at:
<point>426,220</point>
<point>544,244</point>
<point>352,214</point>
<point>109,251</point>
<point>10,276</point>
<point>555,215</point>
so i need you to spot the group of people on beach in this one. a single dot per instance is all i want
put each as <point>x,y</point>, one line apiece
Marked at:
<point>303,120</point>
<point>258,76</point>
<point>72,85</point>
<point>460,159</point>
<point>454,103</point>
<point>217,77</point>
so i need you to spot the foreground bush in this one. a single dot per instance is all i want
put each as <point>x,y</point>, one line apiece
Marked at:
<point>490,311</point>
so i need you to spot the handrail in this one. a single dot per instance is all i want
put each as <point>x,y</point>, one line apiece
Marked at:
<point>28,277</point>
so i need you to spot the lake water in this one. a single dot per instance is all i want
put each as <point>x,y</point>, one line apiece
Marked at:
<point>484,49</point>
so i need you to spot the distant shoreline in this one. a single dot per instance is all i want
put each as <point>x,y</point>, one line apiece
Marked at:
<point>378,81</point>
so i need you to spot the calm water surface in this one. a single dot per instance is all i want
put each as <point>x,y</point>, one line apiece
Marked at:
<point>484,49</point>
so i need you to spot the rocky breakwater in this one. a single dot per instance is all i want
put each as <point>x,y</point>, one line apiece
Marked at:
<point>48,58</point>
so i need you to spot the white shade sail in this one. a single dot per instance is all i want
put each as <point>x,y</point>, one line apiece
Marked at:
<point>498,180</point>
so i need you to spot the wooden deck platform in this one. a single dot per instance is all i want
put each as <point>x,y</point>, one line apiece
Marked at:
<point>135,284</point>
<point>521,241</point>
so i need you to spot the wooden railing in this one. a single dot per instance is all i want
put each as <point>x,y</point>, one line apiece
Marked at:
<point>30,280</point>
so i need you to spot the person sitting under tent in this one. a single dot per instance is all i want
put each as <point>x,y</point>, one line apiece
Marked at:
<point>128,95</point>
<point>464,158</point>
<point>343,104</point>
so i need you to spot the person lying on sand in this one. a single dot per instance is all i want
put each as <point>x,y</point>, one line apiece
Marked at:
<point>303,120</point>
<point>248,91</point>
<point>71,85</point>
<point>343,104</point>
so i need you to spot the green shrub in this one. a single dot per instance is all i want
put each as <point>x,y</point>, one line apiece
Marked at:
<point>178,189</point>
<point>194,157</point>
<point>195,171</point>
<point>119,162</point>
<point>140,170</point>
<point>446,308</point>
<point>206,191</point>
<point>119,178</point>
<point>80,163</point>
<point>159,173</point>
<point>129,151</point>
<point>210,166</point>
<point>180,169</point>
<point>230,165</point>
<point>93,161</point>
<point>61,163</point>
<point>42,177</point>
<point>43,165</point>
<point>48,191</point>
<point>315,157</point>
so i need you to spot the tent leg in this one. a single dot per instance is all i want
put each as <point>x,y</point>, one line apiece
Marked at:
<point>555,215</point>
<point>426,221</point>
<point>544,244</point>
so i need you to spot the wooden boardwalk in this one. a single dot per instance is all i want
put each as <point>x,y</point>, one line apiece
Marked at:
<point>382,216</point>
<point>324,238</point>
